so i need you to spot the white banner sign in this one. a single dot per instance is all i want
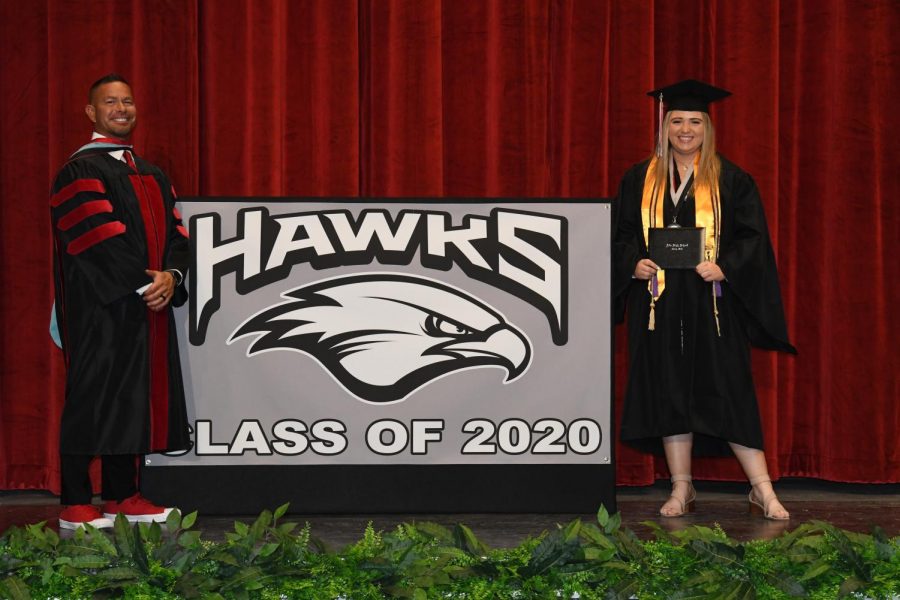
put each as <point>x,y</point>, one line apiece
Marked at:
<point>382,332</point>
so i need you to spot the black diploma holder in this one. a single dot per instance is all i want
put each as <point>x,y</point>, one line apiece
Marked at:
<point>676,247</point>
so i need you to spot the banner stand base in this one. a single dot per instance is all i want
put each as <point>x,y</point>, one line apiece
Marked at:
<point>371,489</point>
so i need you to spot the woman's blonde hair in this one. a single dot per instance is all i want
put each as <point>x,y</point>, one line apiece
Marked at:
<point>710,165</point>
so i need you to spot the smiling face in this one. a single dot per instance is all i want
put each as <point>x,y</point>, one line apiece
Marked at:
<point>112,110</point>
<point>686,132</point>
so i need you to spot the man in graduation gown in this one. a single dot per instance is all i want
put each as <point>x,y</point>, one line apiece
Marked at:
<point>120,256</point>
<point>690,384</point>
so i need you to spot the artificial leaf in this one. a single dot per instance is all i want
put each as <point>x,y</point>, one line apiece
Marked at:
<point>737,590</point>
<point>802,554</point>
<point>286,528</point>
<point>692,594</point>
<point>598,555</point>
<point>138,552</point>
<point>624,589</point>
<point>259,526</point>
<point>15,588</point>
<point>189,539</point>
<point>850,585</point>
<point>224,557</point>
<point>173,520</point>
<point>51,537</point>
<point>188,520</point>
<point>245,579</point>
<point>788,585</point>
<point>123,535</point>
<point>590,532</point>
<point>603,516</point>
<point>119,573</point>
<point>76,548</point>
<point>281,510</point>
<point>704,577</point>
<point>154,533</point>
<point>89,561</point>
<point>658,532</point>
<point>615,521</point>
<point>438,532</point>
<point>841,542</point>
<point>465,539</point>
<point>570,531</point>
<point>102,543</point>
<point>268,549</point>
<point>815,569</point>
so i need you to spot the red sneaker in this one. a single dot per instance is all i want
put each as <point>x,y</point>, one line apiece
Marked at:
<point>79,515</point>
<point>136,509</point>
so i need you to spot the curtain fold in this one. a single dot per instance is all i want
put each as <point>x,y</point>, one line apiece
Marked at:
<point>401,125</point>
<point>514,98</point>
<point>279,110</point>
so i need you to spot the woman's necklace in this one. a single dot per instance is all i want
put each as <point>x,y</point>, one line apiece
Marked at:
<point>683,168</point>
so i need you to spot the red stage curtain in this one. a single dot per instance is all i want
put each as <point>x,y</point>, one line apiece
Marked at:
<point>513,98</point>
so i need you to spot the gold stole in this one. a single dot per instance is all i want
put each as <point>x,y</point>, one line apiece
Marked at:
<point>706,214</point>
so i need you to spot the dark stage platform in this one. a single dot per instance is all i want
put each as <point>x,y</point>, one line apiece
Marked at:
<point>848,506</point>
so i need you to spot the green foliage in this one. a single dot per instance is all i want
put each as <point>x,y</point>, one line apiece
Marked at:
<point>271,560</point>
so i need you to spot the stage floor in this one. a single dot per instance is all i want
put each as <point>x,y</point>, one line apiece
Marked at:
<point>848,506</point>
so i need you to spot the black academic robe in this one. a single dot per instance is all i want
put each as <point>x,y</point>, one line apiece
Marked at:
<point>124,391</point>
<point>683,376</point>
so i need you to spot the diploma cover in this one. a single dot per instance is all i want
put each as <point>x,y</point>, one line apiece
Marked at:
<point>676,247</point>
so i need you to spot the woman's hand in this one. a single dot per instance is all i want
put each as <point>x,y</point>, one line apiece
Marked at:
<point>645,269</point>
<point>710,271</point>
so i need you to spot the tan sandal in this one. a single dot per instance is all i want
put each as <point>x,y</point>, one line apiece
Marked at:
<point>761,507</point>
<point>687,505</point>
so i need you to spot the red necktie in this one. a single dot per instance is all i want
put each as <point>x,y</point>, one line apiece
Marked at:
<point>129,159</point>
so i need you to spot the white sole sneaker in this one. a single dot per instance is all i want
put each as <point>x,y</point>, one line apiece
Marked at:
<point>157,518</point>
<point>103,523</point>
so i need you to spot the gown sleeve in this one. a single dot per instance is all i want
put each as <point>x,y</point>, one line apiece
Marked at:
<point>177,245</point>
<point>627,237</point>
<point>748,262</point>
<point>89,232</point>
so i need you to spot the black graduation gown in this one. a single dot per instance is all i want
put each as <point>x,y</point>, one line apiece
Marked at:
<point>124,391</point>
<point>683,377</point>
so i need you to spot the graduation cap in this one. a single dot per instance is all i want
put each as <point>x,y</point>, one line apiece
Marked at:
<point>689,94</point>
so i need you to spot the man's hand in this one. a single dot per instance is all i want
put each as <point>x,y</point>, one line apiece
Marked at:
<point>159,294</point>
<point>645,269</point>
<point>710,271</point>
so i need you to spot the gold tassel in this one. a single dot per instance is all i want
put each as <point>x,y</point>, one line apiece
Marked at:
<point>716,310</point>
<point>652,324</point>
<point>712,286</point>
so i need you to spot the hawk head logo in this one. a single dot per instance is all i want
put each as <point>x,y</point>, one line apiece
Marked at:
<point>383,336</point>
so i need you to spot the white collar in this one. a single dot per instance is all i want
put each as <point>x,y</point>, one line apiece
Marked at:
<point>676,194</point>
<point>116,154</point>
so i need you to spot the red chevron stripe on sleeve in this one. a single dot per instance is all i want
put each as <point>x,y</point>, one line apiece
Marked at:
<point>77,186</point>
<point>73,217</point>
<point>95,236</point>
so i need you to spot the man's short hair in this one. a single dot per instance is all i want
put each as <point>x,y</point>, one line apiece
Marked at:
<point>109,78</point>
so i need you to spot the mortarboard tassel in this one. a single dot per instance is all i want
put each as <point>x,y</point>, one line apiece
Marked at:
<point>659,137</point>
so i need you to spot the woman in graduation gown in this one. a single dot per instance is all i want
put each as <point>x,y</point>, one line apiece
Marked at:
<point>690,330</point>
